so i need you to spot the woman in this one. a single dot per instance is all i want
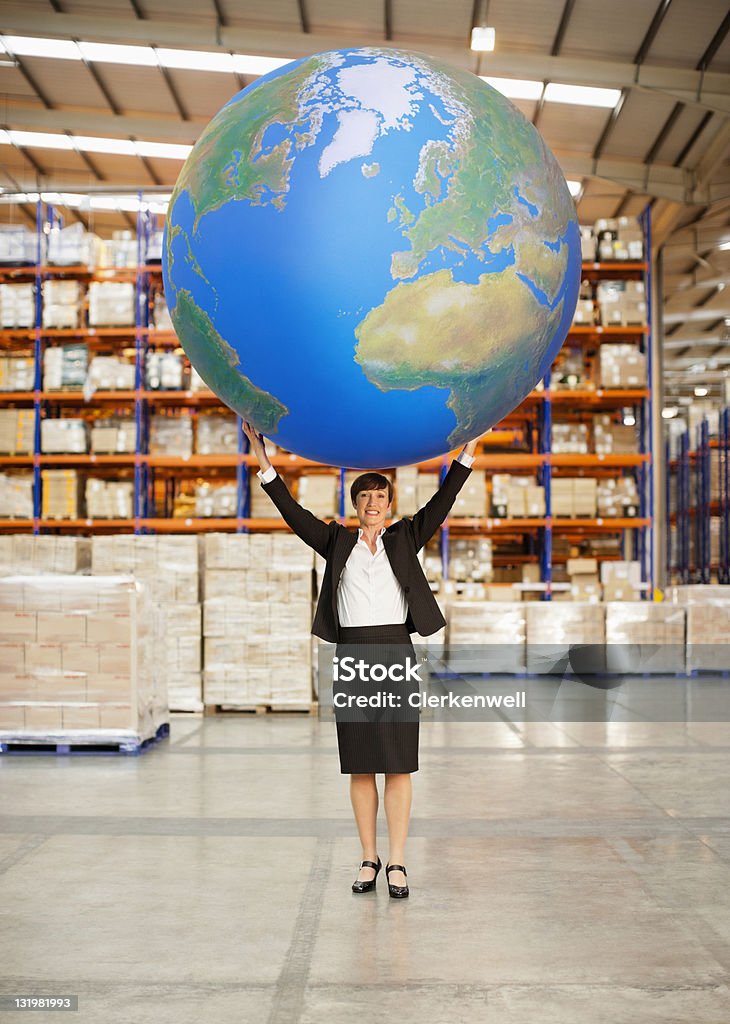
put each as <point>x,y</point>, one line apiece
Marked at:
<point>374,594</point>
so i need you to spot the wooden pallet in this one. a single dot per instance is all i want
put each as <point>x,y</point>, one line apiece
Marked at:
<point>259,709</point>
<point>96,746</point>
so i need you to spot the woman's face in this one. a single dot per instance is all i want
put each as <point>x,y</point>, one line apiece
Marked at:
<point>372,507</point>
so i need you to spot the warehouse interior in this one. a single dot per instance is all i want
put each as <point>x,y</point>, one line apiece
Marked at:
<point>177,839</point>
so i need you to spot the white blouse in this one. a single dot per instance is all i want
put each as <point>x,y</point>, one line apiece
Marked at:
<point>368,593</point>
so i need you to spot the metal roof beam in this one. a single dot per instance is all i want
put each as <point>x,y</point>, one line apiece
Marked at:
<point>710,89</point>
<point>161,127</point>
<point>704,313</point>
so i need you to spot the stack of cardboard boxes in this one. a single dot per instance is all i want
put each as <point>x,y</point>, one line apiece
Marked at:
<point>486,636</point>
<point>17,305</point>
<point>109,499</point>
<point>60,494</point>
<point>215,500</point>
<point>16,495</point>
<point>621,581</point>
<point>553,628</point>
<point>216,435</point>
<point>648,636</point>
<point>318,493</point>
<point>516,496</point>
<point>612,438</point>
<point>109,373</point>
<point>19,245</point>
<point>113,435</point>
<point>73,246</point>
<point>29,554</point>
<point>583,575</point>
<point>708,626</point>
<point>79,659</point>
<point>171,435</point>
<point>17,373</point>
<point>16,431</point>
<point>621,366</point>
<point>164,371</point>
<point>574,497</point>
<point>65,367</point>
<point>570,438</point>
<point>471,501</point>
<point>621,303</point>
<point>618,497</point>
<point>470,559</point>
<point>168,566</point>
<point>62,304</point>
<point>257,617</point>
<point>111,304</point>
<point>64,435</point>
<point>617,239</point>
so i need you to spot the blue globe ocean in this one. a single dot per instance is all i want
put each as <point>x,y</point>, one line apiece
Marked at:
<point>372,256</point>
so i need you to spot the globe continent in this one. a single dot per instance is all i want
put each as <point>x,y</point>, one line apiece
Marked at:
<point>371,256</point>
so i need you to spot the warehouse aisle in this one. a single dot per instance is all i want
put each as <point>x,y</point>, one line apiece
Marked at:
<point>210,878</point>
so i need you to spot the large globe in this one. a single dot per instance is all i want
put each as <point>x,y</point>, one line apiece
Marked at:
<point>372,256</point>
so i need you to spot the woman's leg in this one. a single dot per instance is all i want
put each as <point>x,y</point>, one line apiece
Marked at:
<point>397,801</point>
<point>364,798</point>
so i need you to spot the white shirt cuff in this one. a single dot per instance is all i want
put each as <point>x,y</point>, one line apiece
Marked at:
<point>465,459</point>
<point>266,476</point>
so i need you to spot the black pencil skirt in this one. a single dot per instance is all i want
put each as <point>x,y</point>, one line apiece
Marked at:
<point>377,738</point>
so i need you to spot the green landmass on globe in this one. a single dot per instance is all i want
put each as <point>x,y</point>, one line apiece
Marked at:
<point>371,233</point>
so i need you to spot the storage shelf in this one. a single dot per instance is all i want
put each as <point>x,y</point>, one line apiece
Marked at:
<point>498,460</point>
<point>512,447</point>
<point>80,270</point>
<point>612,332</point>
<point>617,267</point>
<point>584,399</point>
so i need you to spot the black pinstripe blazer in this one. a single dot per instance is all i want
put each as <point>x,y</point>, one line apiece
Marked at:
<point>402,541</point>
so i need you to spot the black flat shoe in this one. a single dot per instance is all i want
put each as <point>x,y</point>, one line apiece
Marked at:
<point>398,892</point>
<point>370,884</point>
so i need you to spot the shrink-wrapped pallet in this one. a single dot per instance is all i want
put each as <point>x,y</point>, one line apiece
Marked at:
<point>708,626</point>
<point>79,660</point>
<point>486,636</point>
<point>565,636</point>
<point>257,617</point>
<point>168,564</point>
<point>645,636</point>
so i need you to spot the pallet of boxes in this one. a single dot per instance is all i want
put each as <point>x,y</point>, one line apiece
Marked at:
<point>168,566</point>
<point>257,616</point>
<point>79,653</point>
<point>707,610</point>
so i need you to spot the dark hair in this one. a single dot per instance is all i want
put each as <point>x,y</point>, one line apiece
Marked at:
<point>368,482</point>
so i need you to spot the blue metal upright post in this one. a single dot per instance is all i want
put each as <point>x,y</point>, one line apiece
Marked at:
<point>648,469</point>
<point>668,509</point>
<point>703,511</point>
<point>683,509</point>
<point>545,429</point>
<point>724,568</point>
<point>242,479</point>
<point>140,315</point>
<point>38,370</point>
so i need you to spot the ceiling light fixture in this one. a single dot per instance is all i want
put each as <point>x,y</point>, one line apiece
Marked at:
<point>581,95</point>
<point>142,56</point>
<point>482,39</point>
<point>515,88</point>
<point>483,35</point>
<point>93,144</point>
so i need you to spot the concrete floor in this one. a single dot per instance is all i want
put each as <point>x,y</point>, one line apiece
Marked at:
<point>559,874</point>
